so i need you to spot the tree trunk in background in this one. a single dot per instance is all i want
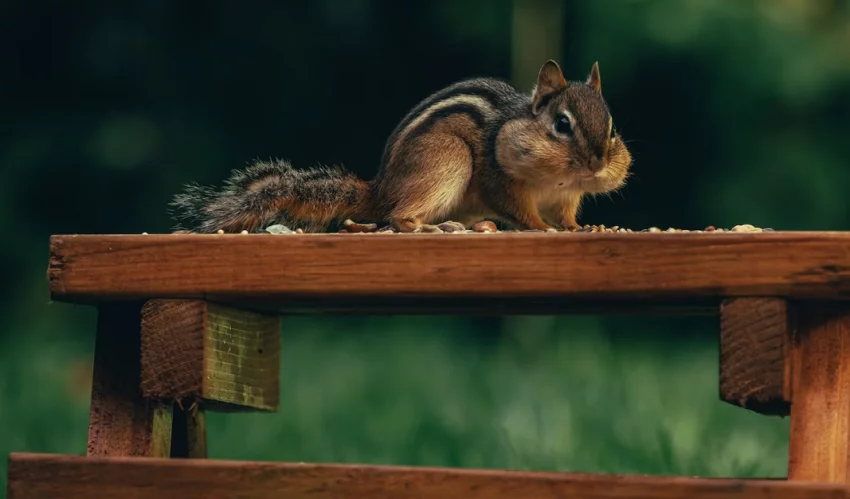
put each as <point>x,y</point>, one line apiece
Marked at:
<point>537,35</point>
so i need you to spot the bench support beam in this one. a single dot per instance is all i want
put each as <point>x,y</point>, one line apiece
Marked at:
<point>782,359</point>
<point>754,342</point>
<point>121,421</point>
<point>223,358</point>
<point>820,390</point>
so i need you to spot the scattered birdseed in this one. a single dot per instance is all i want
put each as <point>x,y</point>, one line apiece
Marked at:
<point>279,229</point>
<point>485,226</point>
<point>352,226</point>
<point>428,229</point>
<point>450,226</point>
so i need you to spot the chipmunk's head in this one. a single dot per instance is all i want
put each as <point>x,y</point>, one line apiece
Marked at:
<point>569,138</point>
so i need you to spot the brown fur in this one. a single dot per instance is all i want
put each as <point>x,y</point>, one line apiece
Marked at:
<point>434,176</point>
<point>474,150</point>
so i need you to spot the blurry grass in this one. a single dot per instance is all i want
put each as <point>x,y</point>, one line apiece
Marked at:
<point>545,394</point>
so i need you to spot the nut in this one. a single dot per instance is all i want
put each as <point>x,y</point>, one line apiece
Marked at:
<point>352,226</point>
<point>450,226</point>
<point>485,226</point>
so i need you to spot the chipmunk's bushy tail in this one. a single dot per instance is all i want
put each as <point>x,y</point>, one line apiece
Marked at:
<point>270,192</point>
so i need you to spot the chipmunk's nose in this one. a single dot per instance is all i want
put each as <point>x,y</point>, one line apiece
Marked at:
<point>597,163</point>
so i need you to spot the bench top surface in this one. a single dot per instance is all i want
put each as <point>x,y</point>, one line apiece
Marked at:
<point>494,272</point>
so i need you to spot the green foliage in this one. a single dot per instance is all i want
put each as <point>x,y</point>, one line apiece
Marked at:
<point>736,112</point>
<point>414,391</point>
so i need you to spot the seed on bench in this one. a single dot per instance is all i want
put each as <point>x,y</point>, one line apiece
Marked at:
<point>352,226</point>
<point>450,226</point>
<point>428,229</point>
<point>484,226</point>
<point>279,229</point>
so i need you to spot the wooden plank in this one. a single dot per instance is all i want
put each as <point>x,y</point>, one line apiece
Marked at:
<point>34,476</point>
<point>819,449</point>
<point>189,433</point>
<point>221,357</point>
<point>513,271</point>
<point>121,422</point>
<point>754,340</point>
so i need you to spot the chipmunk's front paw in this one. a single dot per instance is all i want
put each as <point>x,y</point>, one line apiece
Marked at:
<point>411,225</point>
<point>451,226</point>
<point>427,228</point>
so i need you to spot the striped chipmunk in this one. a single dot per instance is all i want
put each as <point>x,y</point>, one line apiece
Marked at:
<point>475,150</point>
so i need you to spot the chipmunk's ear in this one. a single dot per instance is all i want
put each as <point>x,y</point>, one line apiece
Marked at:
<point>594,80</point>
<point>550,81</point>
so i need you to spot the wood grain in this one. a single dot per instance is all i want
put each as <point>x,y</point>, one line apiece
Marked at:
<point>754,337</point>
<point>221,357</point>
<point>34,476</point>
<point>512,271</point>
<point>121,421</point>
<point>819,449</point>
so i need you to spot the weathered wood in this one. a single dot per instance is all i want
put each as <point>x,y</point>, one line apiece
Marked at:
<point>514,270</point>
<point>189,433</point>
<point>34,476</point>
<point>199,352</point>
<point>819,449</point>
<point>121,422</point>
<point>754,337</point>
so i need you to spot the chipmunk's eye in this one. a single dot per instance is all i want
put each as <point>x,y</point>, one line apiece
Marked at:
<point>563,124</point>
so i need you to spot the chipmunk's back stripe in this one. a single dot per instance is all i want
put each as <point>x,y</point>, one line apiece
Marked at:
<point>486,90</point>
<point>491,93</point>
<point>423,127</point>
<point>478,108</point>
<point>474,113</point>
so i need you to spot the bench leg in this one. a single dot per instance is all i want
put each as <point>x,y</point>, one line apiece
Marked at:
<point>189,434</point>
<point>820,393</point>
<point>121,421</point>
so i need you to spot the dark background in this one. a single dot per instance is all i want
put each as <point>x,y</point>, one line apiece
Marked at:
<point>735,112</point>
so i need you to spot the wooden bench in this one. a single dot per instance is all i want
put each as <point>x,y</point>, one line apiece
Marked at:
<point>189,323</point>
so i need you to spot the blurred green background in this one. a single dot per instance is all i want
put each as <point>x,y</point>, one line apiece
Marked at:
<point>736,111</point>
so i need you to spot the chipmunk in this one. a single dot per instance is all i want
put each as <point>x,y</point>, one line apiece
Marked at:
<point>475,150</point>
